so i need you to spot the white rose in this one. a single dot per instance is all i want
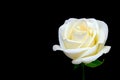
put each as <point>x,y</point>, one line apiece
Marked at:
<point>83,40</point>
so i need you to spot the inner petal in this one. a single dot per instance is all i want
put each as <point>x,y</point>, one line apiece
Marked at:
<point>83,26</point>
<point>69,44</point>
<point>77,35</point>
<point>86,41</point>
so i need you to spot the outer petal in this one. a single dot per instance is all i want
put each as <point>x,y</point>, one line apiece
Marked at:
<point>62,30</point>
<point>60,34</point>
<point>91,22</point>
<point>57,47</point>
<point>75,53</point>
<point>71,53</point>
<point>91,51</point>
<point>103,32</point>
<point>92,58</point>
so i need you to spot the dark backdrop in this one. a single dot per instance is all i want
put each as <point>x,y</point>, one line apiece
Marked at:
<point>38,32</point>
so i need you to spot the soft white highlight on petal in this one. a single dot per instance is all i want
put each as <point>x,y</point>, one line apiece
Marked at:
<point>75,53</point>
<point>57,47</point>
<point>71,53</point>
<point>77,61</point>
<point>103,32</point>
<point>92,23</point>
<point>91,51</point>
<point>100,53</point>
<point>60,34</point>
<point>107,49</point>
<point>91,58</point>
<point>68,44</point>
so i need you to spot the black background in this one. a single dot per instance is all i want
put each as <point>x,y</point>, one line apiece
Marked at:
<point>38,32</point>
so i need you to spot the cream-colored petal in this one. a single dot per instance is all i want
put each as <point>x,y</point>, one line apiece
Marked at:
<point>57,47</point>
<point>73,24</point>
<point>107,49</point>
<point>103,32</point>
<point>60,34</point>
<point>77,35</point>
<point>63,30</point>
<point>91,51</point>
<point>92,23</point>
<point>85,41</point>
<point>69,44</point>
<point>92,40</point>
<point>89,59</point>
<point>77,61</point>
<point>69,25</point>
<point>71,53</point>
<point>92,58</point>
<point>75,53</point>
<point>94,31</point>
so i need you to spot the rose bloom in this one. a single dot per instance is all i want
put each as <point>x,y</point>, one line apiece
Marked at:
<point>83,40</point>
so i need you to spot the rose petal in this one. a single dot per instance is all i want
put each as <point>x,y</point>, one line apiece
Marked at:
<point>57,47</point>
<point>74,53</point>
<point>71,53</point>
<point>92,58</point>
<point>68,44</point>
<point>78,35</point>
<point>91,51</point>
<point>89,59</point>
<point>92,23</point>
<point>103,32</point>
<point>63,30</point>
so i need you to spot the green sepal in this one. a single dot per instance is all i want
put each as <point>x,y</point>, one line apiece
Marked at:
<point>94,64</point>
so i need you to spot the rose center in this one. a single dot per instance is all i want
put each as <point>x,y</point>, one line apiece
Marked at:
<point>81,33</point>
